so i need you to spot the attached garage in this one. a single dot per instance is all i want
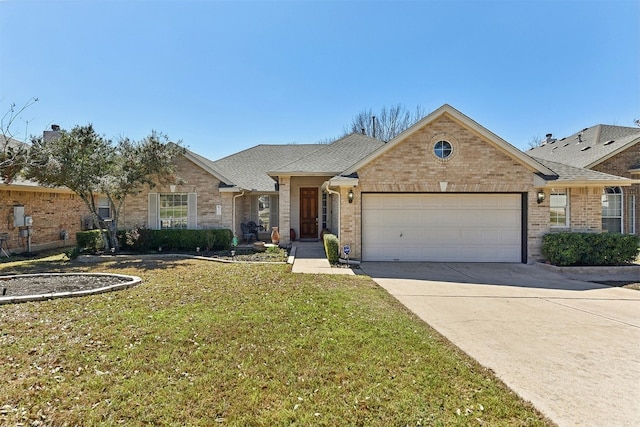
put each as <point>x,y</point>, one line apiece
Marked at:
<point>451,227</point>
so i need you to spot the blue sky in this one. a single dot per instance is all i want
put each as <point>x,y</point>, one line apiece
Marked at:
<point>224,76</point>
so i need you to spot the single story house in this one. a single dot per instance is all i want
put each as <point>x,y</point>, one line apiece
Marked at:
<point>33,217</point>
<point>610,149</point>
<point>446,189</point>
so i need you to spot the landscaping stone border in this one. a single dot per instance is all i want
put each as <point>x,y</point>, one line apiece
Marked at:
<point>132,281</point>
<point>101,258</point>
<point>594,274</point>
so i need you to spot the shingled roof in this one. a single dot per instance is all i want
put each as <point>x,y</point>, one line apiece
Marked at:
<point>248,169</point>
<point>588,147</point>
<point>252,169</point>
<point>332,159</point>
<point>574,176</point>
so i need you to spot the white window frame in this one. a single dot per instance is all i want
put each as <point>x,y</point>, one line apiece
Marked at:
<point>103,203</point>
<point>619,194</point>
<point>154,220</point>
<point>566,206</point>
<point>261,199</point>
<point>173,221</point>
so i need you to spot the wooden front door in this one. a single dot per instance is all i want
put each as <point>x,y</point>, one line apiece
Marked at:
<point>308,213</point>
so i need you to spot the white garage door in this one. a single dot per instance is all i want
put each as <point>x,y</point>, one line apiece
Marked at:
<point>442,227</point>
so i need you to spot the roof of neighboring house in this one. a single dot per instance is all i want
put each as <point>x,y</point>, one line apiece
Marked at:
<point>574,176</point>
<point>334,158</point>
<point>589,146</point>
<point>18,181</point>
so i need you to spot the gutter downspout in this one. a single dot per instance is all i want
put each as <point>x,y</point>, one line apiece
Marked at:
<point>325,186</point>
<point>233,212</point>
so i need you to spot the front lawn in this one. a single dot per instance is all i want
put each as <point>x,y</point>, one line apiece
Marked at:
<point>204,343</point>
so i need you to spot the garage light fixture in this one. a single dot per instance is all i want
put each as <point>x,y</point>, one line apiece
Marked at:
<point>541,196</point>
<point>350,195</point>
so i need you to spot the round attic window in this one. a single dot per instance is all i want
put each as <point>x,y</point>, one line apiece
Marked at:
<point>443,149</point>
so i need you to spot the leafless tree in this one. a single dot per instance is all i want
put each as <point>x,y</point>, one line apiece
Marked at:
<point>13,152</point>
<point>386,124</point>
<point>534,142</point>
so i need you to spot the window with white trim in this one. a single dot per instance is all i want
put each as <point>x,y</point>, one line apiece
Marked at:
<point>559,208</point>
<point>612,210</point>
<point>173,210</point>
<point>264,212</point>
<point>104,208</point>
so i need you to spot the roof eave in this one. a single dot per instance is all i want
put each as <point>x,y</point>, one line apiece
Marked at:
<point>344,181</point>
<point>189,155</point>
<point>232,189</point>
<point>34,188</point>
<point>301,173</point>
<point>591,183</point>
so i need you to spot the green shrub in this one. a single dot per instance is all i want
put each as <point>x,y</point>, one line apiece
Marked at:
<point>72,253</point>
<point>145,240</point>
<point>331,247</point>
<point>91,240</point>
<point>590,248</point>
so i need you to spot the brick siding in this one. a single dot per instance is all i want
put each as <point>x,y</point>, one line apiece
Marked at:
<point>52,211</point>
<point>477,166</point>
<point>196,180</point>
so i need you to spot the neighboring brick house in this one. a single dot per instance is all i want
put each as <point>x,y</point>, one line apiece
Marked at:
<point>610,149</point>
<point>446,189</point>
<point>56,215</point>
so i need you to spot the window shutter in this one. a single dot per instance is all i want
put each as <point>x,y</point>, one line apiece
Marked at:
<point>153,211</point>
<point>192,211</point>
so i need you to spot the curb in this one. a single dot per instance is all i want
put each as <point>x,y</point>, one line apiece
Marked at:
<point>599,273</point>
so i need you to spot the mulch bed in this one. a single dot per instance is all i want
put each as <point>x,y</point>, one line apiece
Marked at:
<point>45,284</point>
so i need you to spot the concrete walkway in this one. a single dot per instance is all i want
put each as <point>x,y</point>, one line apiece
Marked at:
<point>570,347</point>
<point>309,257</point>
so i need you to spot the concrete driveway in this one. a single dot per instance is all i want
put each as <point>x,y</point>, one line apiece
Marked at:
<point>571,348</point>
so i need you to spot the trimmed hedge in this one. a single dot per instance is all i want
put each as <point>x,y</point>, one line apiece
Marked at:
<point>590,248</point>
<point>91,240</point>
<point>331,247</point>
<point>145,240</point>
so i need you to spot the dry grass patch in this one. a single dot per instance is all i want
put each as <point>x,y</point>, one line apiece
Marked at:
<point>200,343</point>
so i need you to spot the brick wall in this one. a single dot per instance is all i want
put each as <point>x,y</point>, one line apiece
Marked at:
<point>196,180</point>
<point>52,211</point>
<point>585,210</point>
<point>477,165</point>
<point>620,165</point>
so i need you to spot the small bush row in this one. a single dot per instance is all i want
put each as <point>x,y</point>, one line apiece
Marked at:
<point>144,240</point>
<point>590,248</point>
<point>331,247</point>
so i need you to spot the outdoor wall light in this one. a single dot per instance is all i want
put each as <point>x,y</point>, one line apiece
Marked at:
<point>541,196</point>
<point>350,195</point>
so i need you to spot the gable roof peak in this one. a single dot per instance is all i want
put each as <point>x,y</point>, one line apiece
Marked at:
<point>466,122</point>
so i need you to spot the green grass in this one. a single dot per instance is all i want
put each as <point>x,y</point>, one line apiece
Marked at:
<point>202,343</point>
